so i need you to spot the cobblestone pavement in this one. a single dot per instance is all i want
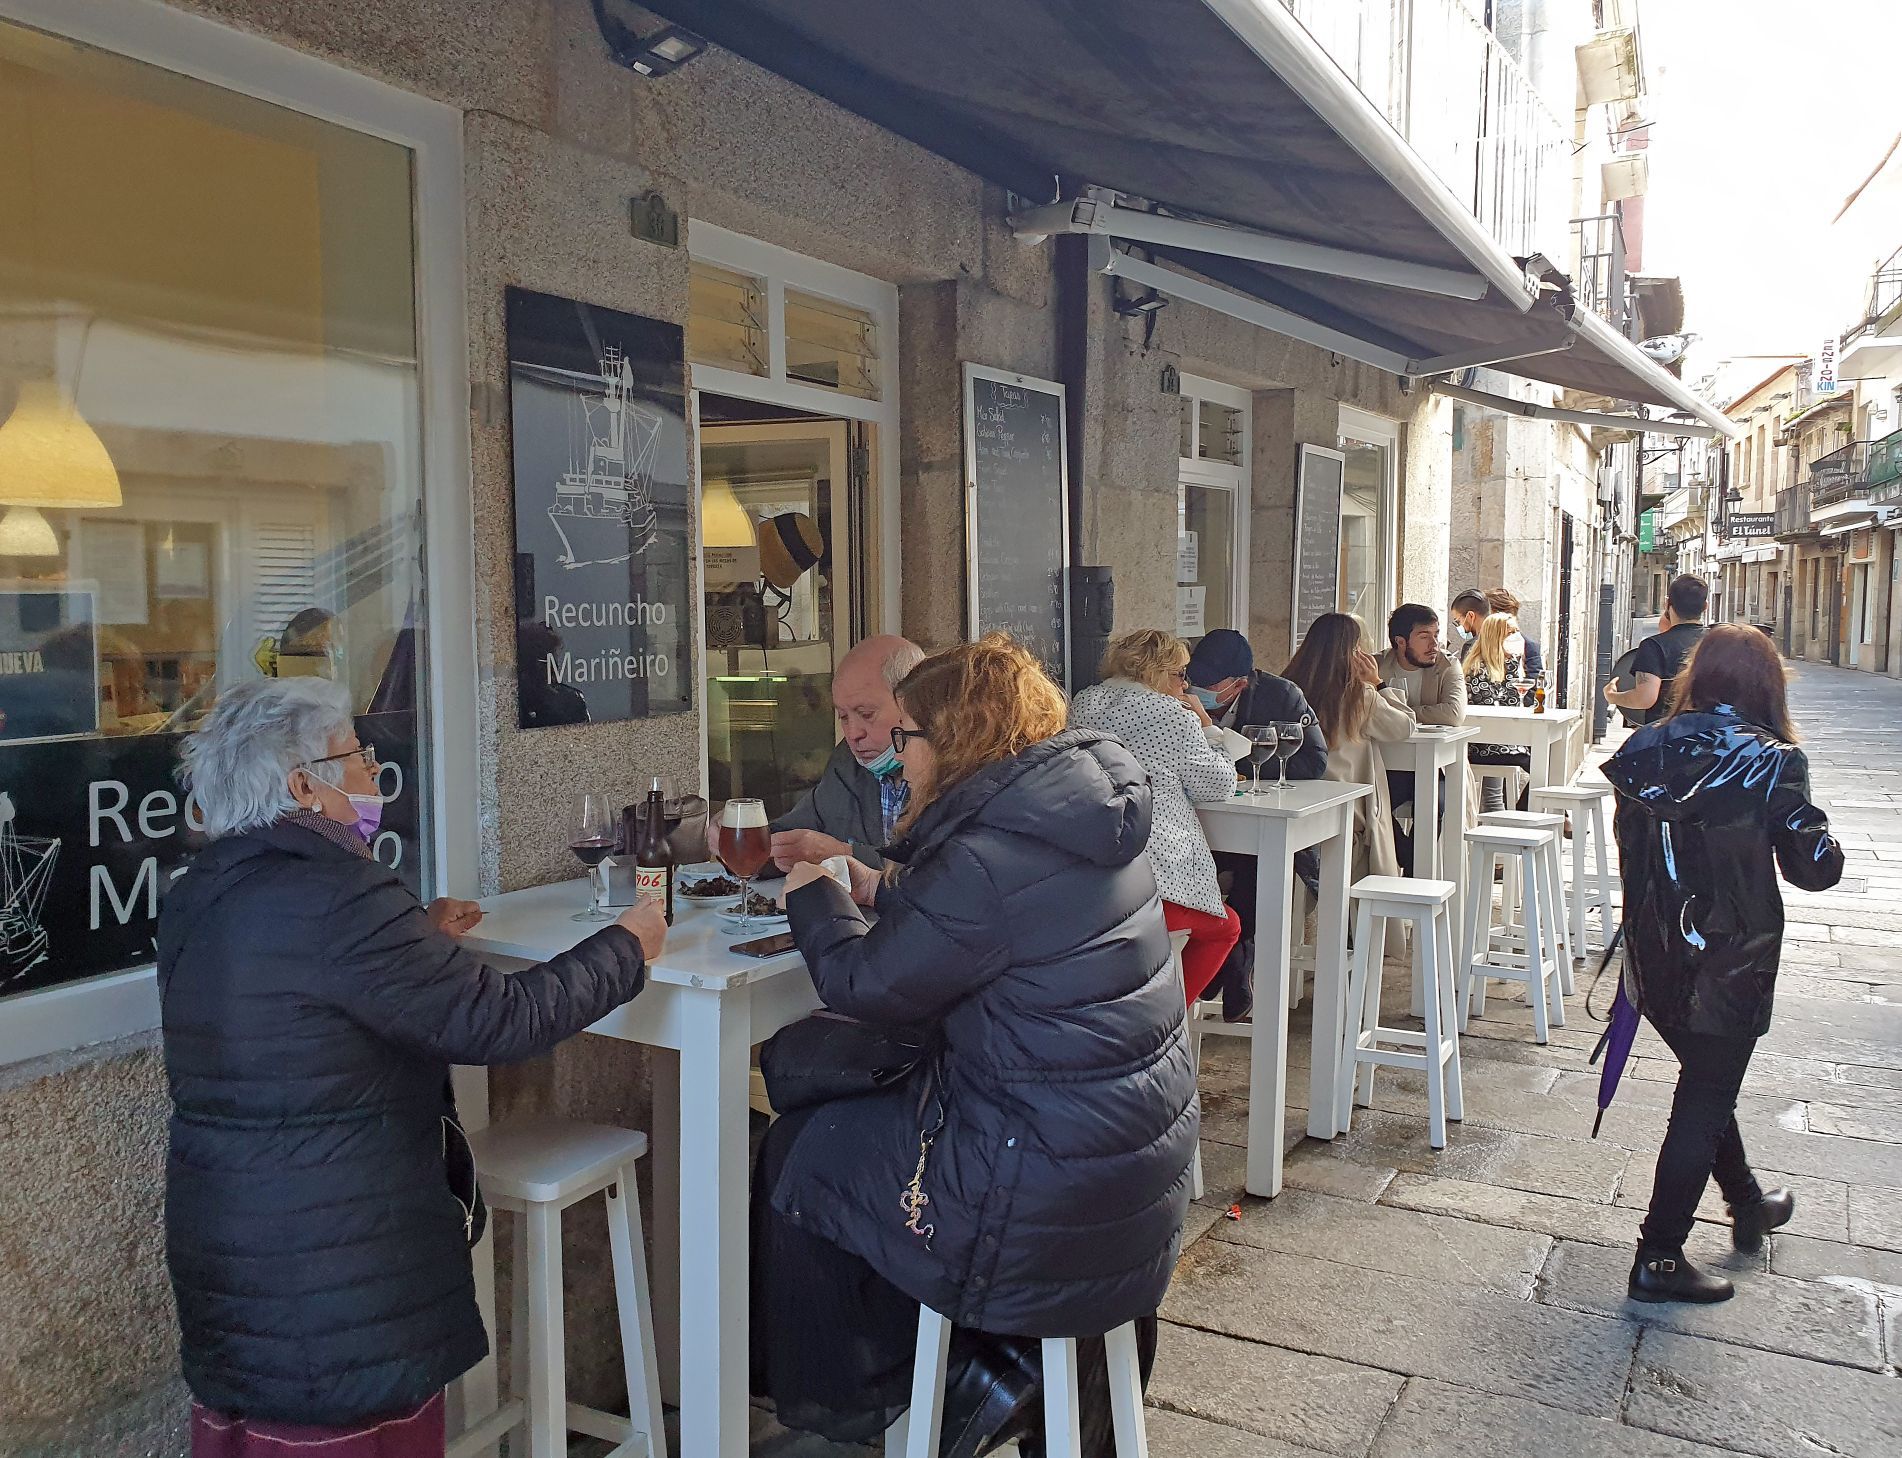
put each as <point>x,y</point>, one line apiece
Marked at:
<point>1398,1302</point>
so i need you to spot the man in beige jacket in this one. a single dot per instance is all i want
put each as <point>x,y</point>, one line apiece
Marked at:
<point>1435,688</point>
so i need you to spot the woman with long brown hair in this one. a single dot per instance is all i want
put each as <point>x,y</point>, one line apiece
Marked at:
<point>1027,1177</point>
<point>1342,683</point>
<point>1712,802</point>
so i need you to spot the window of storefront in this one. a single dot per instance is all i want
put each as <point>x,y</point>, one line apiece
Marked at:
<point>1212,509</point>
<point>213,415</point>
<point>796,400</point>
<point>1372,447</point>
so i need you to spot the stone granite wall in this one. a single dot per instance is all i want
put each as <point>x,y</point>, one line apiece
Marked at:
<point>557,139</point>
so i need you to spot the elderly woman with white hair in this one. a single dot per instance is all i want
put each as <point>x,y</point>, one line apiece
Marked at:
<point>320,1200</point>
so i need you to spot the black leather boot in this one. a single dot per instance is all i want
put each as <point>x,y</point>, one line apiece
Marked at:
<point>992,1396</point>
<point>1750,1222</point>
<point>1664,1275</point>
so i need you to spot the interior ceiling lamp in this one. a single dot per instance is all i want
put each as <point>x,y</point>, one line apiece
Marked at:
<point>723,521</point>
<point>49,457</point>
<point>667,49</point>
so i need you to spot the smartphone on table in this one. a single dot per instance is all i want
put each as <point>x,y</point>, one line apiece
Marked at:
<point>774,946</point>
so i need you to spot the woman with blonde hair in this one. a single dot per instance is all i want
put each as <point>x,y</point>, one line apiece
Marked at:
<point>1342,682</point>
<point>1491,666</point>
<point>1145,701</point>
<point>1028,1174</point>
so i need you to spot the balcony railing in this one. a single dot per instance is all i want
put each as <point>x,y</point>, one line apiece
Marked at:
<point>1840,476</point>
<point>1463,103</point>
<point>1885,468</point>
<point>1885,300</point>
<point>1683,507</point>
<point>1793,513</point>
<point>1599,284</point>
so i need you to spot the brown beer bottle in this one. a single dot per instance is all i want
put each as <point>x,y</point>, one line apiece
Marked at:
<point>1538,698</point>
<point>653,855</point>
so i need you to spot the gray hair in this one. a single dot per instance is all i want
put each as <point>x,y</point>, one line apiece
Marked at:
<point>901,662</point>
<point>260,731</point>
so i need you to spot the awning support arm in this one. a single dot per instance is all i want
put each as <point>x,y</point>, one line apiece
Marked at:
<point>1492,354</point>
<point>1099,217</point>
<point>1105,258</point>
<point>1505,405</point>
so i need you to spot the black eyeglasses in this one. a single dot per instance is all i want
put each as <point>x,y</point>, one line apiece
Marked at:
<point>901,736</point>
<point>364,752</point>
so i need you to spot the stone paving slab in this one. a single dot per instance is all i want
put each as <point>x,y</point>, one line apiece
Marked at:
<point>1828,1260</point>
<point>1433,1420</point>
<point>1879,1124</point>
<point>1315,1403</point>
<point>1181,1436</point>
<point>1397,1241</point>
<point>1761,1402</point>
<point>1823,1322</point>
<point>1875,1217</point>
<point>1404,1325</point>
<point>1562,1219</point>
<point>1822,1206</point>
<point>1493,1156</point>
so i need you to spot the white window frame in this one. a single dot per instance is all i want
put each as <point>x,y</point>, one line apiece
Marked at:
<point>119,1004</point>
<point>777,269</point>
<point>1371,429</point>
<point>1236,480</point>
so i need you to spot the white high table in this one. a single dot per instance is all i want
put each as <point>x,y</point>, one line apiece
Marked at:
<point>1546,735</point>
<point>1271,827</point>
<point>1436,849</point>
<point>709,1007</point>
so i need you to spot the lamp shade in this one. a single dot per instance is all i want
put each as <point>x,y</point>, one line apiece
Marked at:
<point>723,521</point>
<point>25,533</point>
<point>50,457</point>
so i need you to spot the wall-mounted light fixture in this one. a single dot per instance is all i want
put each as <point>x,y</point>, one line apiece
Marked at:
<point>665,50</point>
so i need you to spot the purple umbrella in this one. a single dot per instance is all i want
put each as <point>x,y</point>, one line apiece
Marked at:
<point>1615,1042</point>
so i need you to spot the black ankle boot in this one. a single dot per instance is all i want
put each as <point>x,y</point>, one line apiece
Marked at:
<point>1750,1222</point>
<point>992,1395</point>
<point>1664,1275</point>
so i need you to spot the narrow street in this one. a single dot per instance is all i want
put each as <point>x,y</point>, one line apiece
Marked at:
<point>1405,1304</point>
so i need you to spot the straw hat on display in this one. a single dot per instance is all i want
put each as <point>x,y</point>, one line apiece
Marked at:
<point>790,545</point>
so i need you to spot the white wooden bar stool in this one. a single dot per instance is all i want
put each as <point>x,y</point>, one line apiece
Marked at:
<point>1536,962</point>
<point>1555,914</point>
<point>1592,888</point>
<point>535,1169</point>
<point>1192,1026</point>
<point>1423,905</point>
<point>916,1434</point>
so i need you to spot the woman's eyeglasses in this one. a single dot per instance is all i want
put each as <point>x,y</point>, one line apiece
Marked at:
<point>901,736</point>
<point>365,754</point>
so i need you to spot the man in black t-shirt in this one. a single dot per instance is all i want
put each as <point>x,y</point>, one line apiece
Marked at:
<point>1660,657</point>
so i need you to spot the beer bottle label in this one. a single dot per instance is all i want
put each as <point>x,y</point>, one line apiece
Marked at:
<point>651,881</point>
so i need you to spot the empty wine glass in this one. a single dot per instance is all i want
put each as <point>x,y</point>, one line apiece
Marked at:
<point>592,841</point>
<point>1290,735</point>
<point>1262,742</point>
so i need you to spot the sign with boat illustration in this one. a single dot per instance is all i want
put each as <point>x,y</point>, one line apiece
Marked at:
<point>597,404</point>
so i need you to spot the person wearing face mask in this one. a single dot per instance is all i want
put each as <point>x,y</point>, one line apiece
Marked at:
<point>1470,610</point>
<point>320,1201</point>
<point>860,797</point>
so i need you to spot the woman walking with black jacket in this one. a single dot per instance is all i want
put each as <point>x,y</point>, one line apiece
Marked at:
<point>319,1200</point>
<point>1712,802</point>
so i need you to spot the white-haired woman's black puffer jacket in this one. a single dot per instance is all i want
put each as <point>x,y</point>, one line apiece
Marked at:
<point>319,1202</point>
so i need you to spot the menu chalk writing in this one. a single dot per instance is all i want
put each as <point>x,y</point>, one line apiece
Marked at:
<point>1017,513</point>
<point>1320,478</point>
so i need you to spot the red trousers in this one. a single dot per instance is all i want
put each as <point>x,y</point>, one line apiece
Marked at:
<point>1211,939</point>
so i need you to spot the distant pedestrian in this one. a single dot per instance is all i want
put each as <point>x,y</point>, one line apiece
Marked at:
<point>1712,802</point>
<point>1661,657</point>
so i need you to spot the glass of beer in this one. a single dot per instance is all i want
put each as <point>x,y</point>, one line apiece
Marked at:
<point>744,843</point>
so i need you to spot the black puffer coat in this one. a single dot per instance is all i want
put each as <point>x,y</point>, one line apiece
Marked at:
<point>1026,932</point>
<point>318,1251</point>
<point>1709,807</point>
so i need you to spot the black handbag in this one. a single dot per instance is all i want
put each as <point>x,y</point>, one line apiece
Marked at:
<point>826,1057</point>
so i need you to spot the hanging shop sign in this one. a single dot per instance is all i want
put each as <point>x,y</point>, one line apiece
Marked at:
<point>1825,381</point>
<point>1741,525</point>
<point>1648,530</point>
<point>598,405</point>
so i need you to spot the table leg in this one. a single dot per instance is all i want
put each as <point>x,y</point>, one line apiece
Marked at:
<point>664,1282</point>
<point>713,1224</point>
<point>1426,839</point>
<point>1330,978</point>
<point>1453,843</point>
<point>1268,1047</point>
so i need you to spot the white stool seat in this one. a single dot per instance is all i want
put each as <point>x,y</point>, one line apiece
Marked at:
<point>1192,1026</point>
<point>1591,887</point>
<point>1582,792</point>
<point>1508,837</point>
<point>1555,866</point>
<point>1534,953</point>
<point>917,1432</point>
<point>1404,889</point>
<point>535,1169</point>
<point>552,1161</point>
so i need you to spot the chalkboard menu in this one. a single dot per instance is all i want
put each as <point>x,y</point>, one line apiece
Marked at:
<point>1320,477</point>
<point>1016,511</point>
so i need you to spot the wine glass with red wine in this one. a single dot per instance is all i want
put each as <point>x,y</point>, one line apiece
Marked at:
<point>592,841</point>
<point>744,843</point>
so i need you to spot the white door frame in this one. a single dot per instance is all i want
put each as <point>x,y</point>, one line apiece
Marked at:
<point>1237,480</point>
<point>118,1004</point>
<point>1362,425</point>
<point>775,269</point>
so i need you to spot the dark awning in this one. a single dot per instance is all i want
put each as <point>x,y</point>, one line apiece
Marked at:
<point>1216,110</point>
